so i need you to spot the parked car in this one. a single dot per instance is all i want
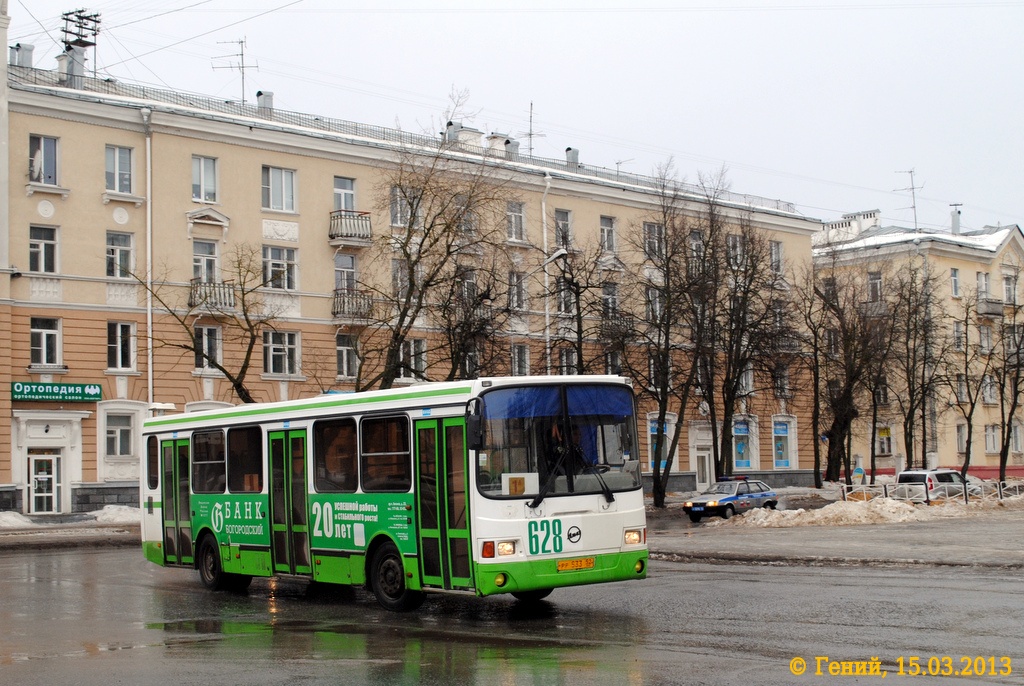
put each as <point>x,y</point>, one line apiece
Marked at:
<point>932,484</point>
<point>729,496</point>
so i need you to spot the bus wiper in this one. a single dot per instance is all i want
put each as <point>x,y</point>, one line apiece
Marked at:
<point>608,495</point>
<point>552,475</point>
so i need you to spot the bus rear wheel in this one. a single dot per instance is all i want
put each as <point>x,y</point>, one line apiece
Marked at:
<point>387,581</point>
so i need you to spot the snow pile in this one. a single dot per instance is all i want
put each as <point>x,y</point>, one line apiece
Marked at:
<point>118,514</point>
<point>14,520</point>
<point>876,511</point>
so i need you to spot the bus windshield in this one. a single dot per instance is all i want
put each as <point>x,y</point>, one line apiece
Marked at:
<point>546,441</point>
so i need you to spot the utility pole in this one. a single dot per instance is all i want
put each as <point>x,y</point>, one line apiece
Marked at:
<point>913,194</point>
<point>80,31</point>
<point>241,66</point>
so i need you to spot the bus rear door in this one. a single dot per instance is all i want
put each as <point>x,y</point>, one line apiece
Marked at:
<point>177,511</point>
<point>290,516</point>
<point>441,503</point>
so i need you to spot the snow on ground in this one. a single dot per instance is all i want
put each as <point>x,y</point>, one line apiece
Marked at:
<point>876,511</point>
<point>110,514</point>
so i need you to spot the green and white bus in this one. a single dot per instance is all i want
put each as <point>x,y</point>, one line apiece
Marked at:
<point>504,485</point>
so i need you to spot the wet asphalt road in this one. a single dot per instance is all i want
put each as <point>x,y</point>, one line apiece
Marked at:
<point>106,616</point>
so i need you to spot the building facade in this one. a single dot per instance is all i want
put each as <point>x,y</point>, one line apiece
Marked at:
<point>131,218</point>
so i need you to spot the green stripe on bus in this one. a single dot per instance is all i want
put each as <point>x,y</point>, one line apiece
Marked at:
<point>257,411</point>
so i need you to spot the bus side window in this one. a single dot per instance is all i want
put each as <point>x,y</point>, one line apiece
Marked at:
<point>152,462</point>
<point>386,458</point>
<point>208,462</point>
<point>245,460</point>
<point>334,456</point>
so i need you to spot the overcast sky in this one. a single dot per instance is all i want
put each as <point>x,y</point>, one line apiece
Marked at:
<point>823,103</point>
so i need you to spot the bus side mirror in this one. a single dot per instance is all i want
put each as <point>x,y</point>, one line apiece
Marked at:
<point>474,432</point>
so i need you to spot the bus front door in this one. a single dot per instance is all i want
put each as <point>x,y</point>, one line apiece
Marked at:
<point>177,512</point>
<point>441,503</point>
<point>290,515</point>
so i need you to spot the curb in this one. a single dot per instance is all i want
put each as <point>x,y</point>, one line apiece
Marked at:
<point>71,536</point>
<point>822,560</point>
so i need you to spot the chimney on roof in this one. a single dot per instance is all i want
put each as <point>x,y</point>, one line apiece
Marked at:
<point>572,158</point>
<point>21,55</point>
<point>265,102</point>
<point>511,148</point>
<point>465,136</point>
<point>71,67</point>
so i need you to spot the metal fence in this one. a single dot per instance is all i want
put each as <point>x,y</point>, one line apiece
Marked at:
<point>940,493</point>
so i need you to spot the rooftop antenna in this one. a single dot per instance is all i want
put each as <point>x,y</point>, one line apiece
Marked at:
<point>913,194</point>
<point>241,66</point>
<point>80,31</point>
<point>530,134</point>
<point>619,163</point>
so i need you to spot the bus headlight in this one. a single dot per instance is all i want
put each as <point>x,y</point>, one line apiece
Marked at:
<point>634,537</point>
<point>506,548</point>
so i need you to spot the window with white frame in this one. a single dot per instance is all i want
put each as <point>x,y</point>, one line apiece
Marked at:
<point>344,193</point>
<point>989,390</point>
<point>882,391</point>
<point>42,250</point>
<point>564,297</point>
<point>119,441</point>
<point>44,341</point>
<point>653,302</point>
<point>983,285</point>
<point>613,362</point>
<point>516,291</point>
<point>961,438</point>
<point>207,347</point>
<point>204,261</point>
<point>954,282</point>
<point>780,381</point>
<point>515,215</point>
<point>985,338</point>
<point>119,255</point>
<point>348,360</point>
<point>659,375</point>
<point>405,205</point>
<point>608,234</point>
<point>874,287</point>
<point>563,229</point>
<point>568,361</point>
<point>958,335</point>
<point>278,189</point>
<point>609,300</point>
<point>400,279</point>
<point>413,358</point>
<point>119,169</point>
<point>120,346</point>
<point>281,352</point>
<point>736,249</point>
<point>344,271</point>
<point>520,359</point>
<point>654,240</point>
<point>775,257</point>
<point>1009,289</point>
<point>832,342</point>
<point>1016,438</point>
<point>961,388</point>
<point>991,438</point>
<point>883,440</point>
<point>42,160</point>
<point>279,267</point>
<point>746,381</point>
<point>204,178</point>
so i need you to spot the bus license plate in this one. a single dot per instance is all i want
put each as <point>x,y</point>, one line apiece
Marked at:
<point>573,565</point>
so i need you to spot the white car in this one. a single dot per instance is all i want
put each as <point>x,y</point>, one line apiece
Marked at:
<point>926,485</point>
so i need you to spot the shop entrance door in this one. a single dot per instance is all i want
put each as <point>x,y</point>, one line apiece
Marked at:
<point>44,481</point>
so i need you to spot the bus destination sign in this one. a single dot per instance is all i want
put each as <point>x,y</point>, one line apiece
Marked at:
<point>60,392</point>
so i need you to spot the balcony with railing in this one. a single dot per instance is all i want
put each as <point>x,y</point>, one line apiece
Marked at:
<point>990,307</point>
<point>351,305</point>
<point>212,295</point>
<point>350,229</point>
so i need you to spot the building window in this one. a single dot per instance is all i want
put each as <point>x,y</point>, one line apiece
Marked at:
<point>775,257</point>
<point>743,445</point>
<point>119,435</point>
<point>736,248</point>
<point>281,352</point>
<point>278,189</point>
<point>120,354</point>
<point>991,438</point>
<point>348,361</point>
<point>119,169</point>
<point>746,380</point>
<point>279,267</point>
<point>961,438</point>
<point>514,211</point>
<point>564,296</point>
<point>654,240</point>
<point>985,339</point>
<point>563,229</point>
<point>961,388</point>
<point>207,347</point>
<point>883,440</point>
<point>568,361</point>
<point>882,391</point>
<point>517,291</point>
<point>44,341</point>
<point>1016,439</point>
<point>520,360</point>
<point>983,285</point>
<point>780,380</point>
<point>954,282</point>
<point>204,261</point>
<point>608,234</point>
<point>989,390</point>
<point>204,179</point>
<point>42,160</point>
<point>609,300</point>
<point>874,287</point>
<point>832,342</point>
<point>344,193</point>
<point>119,255</point>
<point>405,203</point>
<point>613,362</point>
<point>413,358</point>
<point>42,250</point>
<point>1009,289</point>
<point>652,304</point>
<point>958,335</point>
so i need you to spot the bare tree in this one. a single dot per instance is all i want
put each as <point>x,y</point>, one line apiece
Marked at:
<point>1008,369</point>
<point>582,305</point>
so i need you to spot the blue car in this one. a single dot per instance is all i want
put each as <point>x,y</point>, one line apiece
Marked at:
<point>731,495</point>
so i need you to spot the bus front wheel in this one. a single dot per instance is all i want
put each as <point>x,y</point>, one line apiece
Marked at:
<point>387,581</point>
<point>532,596</point>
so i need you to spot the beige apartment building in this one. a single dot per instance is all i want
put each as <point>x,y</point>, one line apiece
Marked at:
<point>977,300</point>
<point>125,204</point>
